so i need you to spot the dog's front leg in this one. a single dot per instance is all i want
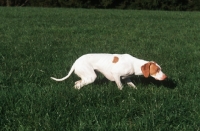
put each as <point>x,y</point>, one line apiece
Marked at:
<point>129,82</point>
<point>118,82</point>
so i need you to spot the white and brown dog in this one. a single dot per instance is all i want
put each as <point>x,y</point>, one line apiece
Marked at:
<point>113,67</point>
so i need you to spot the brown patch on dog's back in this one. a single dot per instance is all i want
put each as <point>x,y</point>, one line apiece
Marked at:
<point>115,59</point>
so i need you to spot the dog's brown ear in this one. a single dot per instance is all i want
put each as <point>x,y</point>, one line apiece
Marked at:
<point>146,69</point>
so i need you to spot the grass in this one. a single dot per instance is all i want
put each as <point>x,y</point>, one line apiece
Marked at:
<point>36,43</point>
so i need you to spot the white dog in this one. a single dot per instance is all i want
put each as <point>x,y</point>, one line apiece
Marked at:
<point>113,67</point>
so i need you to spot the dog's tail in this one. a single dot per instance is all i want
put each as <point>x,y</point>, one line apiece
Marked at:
<point>61,79</point>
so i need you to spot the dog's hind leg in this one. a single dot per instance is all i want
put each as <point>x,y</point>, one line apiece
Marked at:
<point>87,76</point>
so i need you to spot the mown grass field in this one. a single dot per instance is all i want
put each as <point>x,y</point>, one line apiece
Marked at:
<point>37,43</point>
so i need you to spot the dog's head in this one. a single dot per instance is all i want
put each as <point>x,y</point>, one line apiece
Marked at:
<point>154,70</point>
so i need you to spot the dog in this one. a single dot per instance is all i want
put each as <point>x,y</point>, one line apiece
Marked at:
<point>114,67</point>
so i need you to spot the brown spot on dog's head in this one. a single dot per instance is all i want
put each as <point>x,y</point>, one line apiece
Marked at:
<point>154,69</point>
<point>115,59</point>
<point>150,68</point>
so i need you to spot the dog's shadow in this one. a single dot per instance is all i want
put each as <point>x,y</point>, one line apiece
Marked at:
<point>168,83</point>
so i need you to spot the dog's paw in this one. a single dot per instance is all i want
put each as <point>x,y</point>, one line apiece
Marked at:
<point>78,85</point>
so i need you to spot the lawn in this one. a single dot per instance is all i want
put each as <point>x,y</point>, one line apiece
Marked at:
<point>37,43</point>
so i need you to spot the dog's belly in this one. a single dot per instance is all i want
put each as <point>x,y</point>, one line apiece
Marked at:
<point>108,75</point>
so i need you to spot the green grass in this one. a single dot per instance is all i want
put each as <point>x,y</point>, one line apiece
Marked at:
<point>37,43</point>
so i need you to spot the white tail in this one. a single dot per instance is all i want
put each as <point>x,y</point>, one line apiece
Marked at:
<point>61,79</point>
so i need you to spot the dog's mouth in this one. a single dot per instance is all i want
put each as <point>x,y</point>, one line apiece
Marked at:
<point>162,78</point>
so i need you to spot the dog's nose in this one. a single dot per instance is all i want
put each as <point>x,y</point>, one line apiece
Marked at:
<point>164,77</point>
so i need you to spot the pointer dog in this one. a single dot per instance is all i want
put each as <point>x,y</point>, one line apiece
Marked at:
<point>113,67</point>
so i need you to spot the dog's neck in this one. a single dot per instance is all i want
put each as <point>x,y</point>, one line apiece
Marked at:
<point>137,66</point>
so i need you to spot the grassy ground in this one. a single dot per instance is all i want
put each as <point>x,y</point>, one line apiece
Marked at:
<point>36,43</point>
